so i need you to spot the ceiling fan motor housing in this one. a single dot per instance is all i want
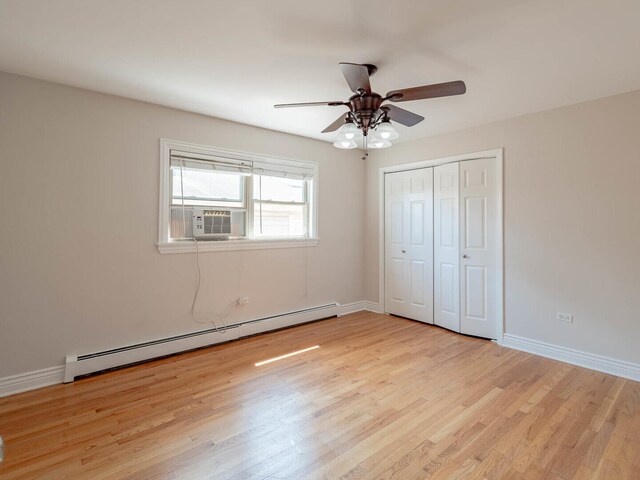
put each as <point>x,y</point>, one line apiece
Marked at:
<point>364,108</point>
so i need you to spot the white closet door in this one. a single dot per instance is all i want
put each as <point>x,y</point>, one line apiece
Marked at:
<point>446,259</point>
<point>409,244</point>
<point>478,247</point>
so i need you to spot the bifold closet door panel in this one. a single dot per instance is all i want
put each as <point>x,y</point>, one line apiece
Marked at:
<point>409,244</point>
<point>446,261</point>
<point>478,247</point>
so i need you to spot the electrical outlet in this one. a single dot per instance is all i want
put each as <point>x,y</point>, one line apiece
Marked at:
<point>242,300</point>
<point>564,317</point>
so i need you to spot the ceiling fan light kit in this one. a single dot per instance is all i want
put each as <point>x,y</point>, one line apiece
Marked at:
<point>345,143</point>
<point>375,142</point>
<point>386,131</point>
<point>346,135</point>
<point>366,112</point>
<point>348,130</point>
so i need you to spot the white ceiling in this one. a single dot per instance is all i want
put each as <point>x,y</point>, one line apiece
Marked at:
<point>234,59</point>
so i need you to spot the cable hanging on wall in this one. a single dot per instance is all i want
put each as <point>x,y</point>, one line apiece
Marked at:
<point>255,201</point>
<point>197,292</point>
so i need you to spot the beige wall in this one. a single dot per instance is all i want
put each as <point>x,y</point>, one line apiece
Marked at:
<point>571,220</point>
<point>79,269</point>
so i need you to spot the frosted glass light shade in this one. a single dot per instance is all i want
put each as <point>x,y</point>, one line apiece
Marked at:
<point>348,131</point>
<point>386,131</point>
<point>345,143</point>
<point>376,142</point>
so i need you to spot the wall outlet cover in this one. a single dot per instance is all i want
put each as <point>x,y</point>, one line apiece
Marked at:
<point>564,317</point>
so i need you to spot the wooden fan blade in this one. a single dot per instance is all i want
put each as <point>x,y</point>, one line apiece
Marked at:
<point>308,104</point>
<point>428,91</point>
<point>400,115</point>
<point>335,125</point>
<point>357,76</point>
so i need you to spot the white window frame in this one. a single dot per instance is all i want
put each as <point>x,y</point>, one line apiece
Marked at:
<point>166,245</point>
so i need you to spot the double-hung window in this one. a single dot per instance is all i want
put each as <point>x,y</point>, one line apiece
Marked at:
<point>226,200</point>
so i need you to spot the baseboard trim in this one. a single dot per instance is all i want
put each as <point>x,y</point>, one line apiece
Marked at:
<point>354,307</point>
<point>600,363</point>
<point>77,365</point>
<point>24,382</point>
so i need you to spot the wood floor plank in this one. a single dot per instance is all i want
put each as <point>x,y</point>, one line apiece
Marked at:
<point>383,397</point>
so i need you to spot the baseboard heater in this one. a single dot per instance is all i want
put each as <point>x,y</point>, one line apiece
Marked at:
<point>78,365</point>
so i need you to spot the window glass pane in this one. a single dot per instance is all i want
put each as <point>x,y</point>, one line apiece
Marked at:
<point>278,189</point>
<point>279,220</point>
<point>207,187</point>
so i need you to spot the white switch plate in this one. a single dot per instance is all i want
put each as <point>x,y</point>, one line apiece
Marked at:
<point>564,317</point>
<point>242,300</point>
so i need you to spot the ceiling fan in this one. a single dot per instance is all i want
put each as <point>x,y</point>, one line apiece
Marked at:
<point>367,112</point>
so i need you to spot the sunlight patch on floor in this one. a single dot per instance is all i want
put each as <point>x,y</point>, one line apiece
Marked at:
<point>275,359</point>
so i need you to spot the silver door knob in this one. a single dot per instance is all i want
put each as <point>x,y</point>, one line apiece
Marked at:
<point>465,256</point>
<point>404,251</point>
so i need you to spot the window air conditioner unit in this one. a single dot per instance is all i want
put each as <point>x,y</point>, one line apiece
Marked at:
<point>211,223</point>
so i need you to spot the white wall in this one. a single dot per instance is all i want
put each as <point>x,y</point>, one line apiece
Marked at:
<point>571,225</point>
<point>79,269</point>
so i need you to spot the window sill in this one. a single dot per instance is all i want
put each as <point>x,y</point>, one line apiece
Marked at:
<point>230,245</point>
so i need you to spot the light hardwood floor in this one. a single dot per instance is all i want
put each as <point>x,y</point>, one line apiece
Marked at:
<point>382,397</point>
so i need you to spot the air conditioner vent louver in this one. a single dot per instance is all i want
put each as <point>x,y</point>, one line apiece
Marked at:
<point>211,223</point>
<point>218,223</point>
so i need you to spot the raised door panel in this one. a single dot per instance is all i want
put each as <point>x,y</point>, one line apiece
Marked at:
<point>397,222</point>
<point>448,302</point>
<point>448,220</point>
<point>475,299</point>
<point>417,223</point>
<point>475,223</point>
<point>418,273</point>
